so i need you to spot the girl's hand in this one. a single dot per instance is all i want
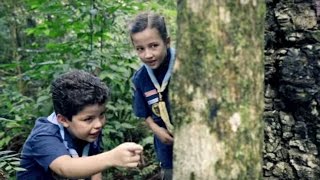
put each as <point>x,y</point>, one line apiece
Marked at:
<point>164,135</point>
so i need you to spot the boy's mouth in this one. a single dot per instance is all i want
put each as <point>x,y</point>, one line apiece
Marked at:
<point>95,134</point>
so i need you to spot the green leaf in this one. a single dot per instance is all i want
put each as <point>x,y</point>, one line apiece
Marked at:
<point>5,152</point>
<point>4,119</point>
<point>19,169</point>
<point>48,63</point>
<point>13,125</point>
<point>42,98</point>
<point>7,157</point>
<point>15,163</point>
<point>8,168</point>
<point>127,126</point>
<point>147,140</point>
<point>103,75</point>
<point>2,164</point>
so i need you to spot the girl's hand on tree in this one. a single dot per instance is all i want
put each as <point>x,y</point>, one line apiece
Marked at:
<point>164,135</point>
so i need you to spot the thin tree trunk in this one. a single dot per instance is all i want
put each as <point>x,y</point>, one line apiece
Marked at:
<point>13,26</point>
<point>217,90</point>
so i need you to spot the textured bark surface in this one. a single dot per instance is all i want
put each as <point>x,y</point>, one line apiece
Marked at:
<point>217,90</point>
<point>292,84</point>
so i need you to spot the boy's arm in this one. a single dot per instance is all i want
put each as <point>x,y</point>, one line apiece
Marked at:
<point>97,176</point>
<point>124,155</point>
<point>162,133</point>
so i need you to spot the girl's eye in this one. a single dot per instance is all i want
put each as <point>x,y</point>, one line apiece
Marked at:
<point>139,49</point>
<point>154,45</point>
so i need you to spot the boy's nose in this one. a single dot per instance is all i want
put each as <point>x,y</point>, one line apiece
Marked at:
<point>99,123</point>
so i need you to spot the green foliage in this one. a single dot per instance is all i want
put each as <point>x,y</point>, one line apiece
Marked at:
<point>9,163</point>
<point>45,38</point>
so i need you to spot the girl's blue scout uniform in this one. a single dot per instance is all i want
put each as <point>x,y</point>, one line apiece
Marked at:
<point>49,140</point>
<point>145,100</point>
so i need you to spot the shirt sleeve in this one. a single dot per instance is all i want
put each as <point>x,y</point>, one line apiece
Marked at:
<point>140,106</point>
<point>46,148</point>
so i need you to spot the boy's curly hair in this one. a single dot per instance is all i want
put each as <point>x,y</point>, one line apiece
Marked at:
<point>73,91</point>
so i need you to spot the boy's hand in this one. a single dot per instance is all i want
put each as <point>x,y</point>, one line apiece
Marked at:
<point>127,154</point>
<point>164,135</point>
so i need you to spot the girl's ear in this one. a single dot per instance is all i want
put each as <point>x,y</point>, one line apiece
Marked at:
<point>63,120</point>
<point>168,42</point>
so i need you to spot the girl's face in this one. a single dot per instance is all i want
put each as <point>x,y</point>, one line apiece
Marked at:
<point>151,49</point>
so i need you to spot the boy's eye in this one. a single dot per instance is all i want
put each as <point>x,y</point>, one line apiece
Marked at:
<point>88,119</point>
<point>103,114</point>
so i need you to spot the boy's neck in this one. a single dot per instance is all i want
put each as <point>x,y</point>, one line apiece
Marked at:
<point>79,145</point>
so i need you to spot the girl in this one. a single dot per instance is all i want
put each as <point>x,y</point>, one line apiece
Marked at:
<point>150,39</point>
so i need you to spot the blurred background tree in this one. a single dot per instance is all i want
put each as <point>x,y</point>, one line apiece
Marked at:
<point>40,39</point>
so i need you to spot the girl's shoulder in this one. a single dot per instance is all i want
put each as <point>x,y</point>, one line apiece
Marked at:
<point>140,74</point>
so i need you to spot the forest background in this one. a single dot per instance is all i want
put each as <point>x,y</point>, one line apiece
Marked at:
<point>40,39</point>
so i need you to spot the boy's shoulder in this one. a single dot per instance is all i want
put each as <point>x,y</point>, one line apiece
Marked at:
<point>44,127</point>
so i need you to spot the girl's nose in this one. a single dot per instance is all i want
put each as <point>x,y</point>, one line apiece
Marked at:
<point>148,54</point>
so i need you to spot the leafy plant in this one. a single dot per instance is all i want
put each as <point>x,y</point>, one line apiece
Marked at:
<point>9,163</point>
<point>46,38</point>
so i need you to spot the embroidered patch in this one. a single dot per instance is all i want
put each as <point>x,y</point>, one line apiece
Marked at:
<point>152,101</point>
<point>150,93</point>
<point>155,109</point>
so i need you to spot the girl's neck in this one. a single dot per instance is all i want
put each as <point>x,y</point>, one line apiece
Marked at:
<point>165,62</point>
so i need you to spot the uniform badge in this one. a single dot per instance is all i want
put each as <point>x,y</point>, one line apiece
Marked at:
<point>155,109</point>
<point>150,93</point>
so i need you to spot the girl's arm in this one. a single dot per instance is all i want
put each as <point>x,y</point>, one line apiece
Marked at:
<point>162,133</point>
<point>124,155</point>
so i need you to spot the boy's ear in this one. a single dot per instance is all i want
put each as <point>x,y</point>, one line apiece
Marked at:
<point>63,120</point>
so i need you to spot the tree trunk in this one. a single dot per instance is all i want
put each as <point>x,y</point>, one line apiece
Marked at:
<point>292,84</point>
<point>217,90</point>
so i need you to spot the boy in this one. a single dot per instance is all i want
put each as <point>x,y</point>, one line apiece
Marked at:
<point>67,143</point>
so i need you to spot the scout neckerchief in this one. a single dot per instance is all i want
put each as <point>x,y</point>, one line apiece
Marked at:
<point>162,105</point>
<point>53,119</point>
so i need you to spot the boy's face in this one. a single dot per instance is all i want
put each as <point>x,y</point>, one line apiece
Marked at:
<point>151,49</point>
<point>88,123</point>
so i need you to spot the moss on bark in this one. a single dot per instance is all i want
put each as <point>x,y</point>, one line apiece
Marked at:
<point>217,90</point>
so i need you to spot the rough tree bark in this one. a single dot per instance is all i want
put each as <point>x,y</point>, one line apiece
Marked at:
<point>217,90</point>
<point>292,84</point>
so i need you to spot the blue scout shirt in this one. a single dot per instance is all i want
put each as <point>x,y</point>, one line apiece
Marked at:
<point>44,145</point>
<point>144,101</point>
